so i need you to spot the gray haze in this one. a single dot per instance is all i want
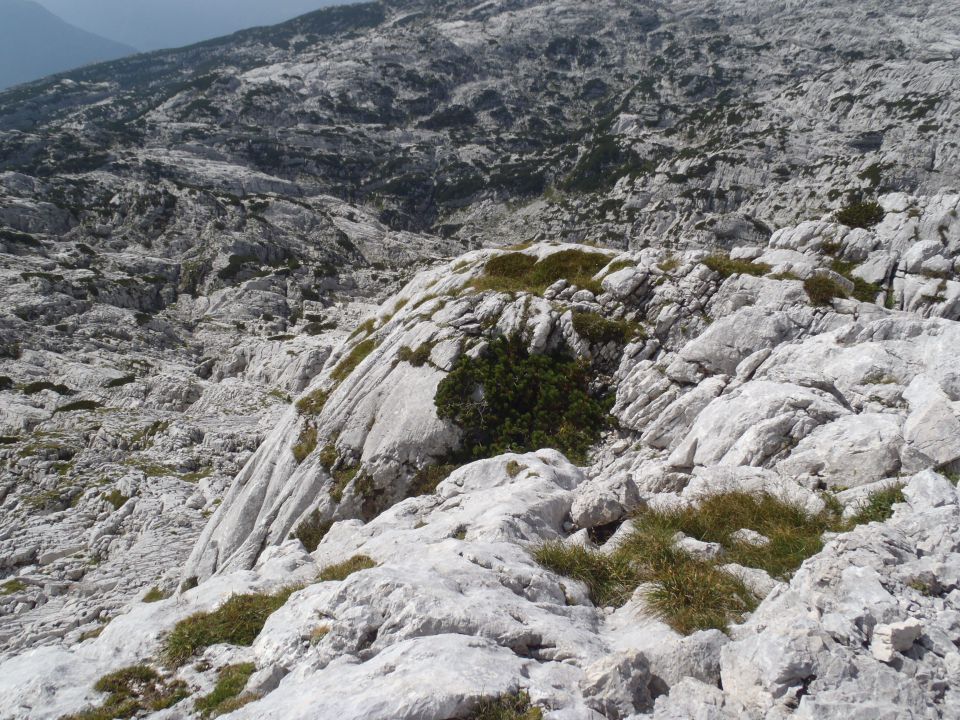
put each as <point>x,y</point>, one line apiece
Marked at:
<point>154,24</point>
<point>35,43</point>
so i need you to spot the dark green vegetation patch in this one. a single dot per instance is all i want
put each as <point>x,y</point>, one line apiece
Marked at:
<point>508,400</point>
<point>860,215</point>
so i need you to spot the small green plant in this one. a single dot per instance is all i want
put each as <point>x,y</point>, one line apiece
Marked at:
<point>154,594</point>
<point>341,478</point>
<point>878,506</point>
<point>131,691</point>
<point>427,478</point>
<point>312,403</point>
<point>306,443</point>
<point>514,468</point>
<point>418,357</point>
<point>862,290</point>
<point>510,401</point>
<point>518,272</point>
<point>12,586</point>
<point>356,356</point>
<point>515,706</point>
<point>598,330</point>
<point>823,290</point>
<point>328,456</point>
<point>341,571</point>
<point>311,530</point>
<point>237,622</point>
<point>727,266</point>
<point>860,215</point>
<point>116,498</point>
<point>230,683</point>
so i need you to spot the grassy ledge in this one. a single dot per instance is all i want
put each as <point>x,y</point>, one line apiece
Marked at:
<point>518,272</point>
<point>341,571</point>
<point>691,593</point>
<point>226,695</point>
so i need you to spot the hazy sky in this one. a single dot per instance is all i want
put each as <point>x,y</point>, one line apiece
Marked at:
<point>153,24</point>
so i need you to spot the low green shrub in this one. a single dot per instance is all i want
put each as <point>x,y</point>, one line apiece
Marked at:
<point>598,330</point>
<point>230,683</point>
<point>132,691</point>
<point>510,401</point>
<point>862,290</point>
<point>237,622</point>
<point>341,571</point>
<point>860,215</point>
<point>823,290</point>
<point>727,266</point>
<point>5,383</point>
<point>518,272</point>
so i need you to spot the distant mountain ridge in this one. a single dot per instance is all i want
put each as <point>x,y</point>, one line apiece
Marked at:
<point>35,43</point>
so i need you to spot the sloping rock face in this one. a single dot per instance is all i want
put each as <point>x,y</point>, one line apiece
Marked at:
<point>234,277</point>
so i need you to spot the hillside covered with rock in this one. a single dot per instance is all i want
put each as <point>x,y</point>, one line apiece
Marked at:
<point>460,360</point>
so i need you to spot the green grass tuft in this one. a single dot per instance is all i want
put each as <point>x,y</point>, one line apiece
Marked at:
<point>311,530</point>
<point>79,406</point>
<point>878,507</point>
<point>237,622</point>
<point>312,403</point>
<point>230,683</point>
<point>306,443</point>
<point>418,357</point>
<point>689,593</point>
<point>598,330</point>
<point>341,571</point>
<point>350,362</point>
<point>518,272</point>
<point>12,586</point>
<point>515,706</point>
<point>427,478</point>
<point>131,692</point>
<point>155,594</point>
<point>823,290</point>
<point>727,267</point>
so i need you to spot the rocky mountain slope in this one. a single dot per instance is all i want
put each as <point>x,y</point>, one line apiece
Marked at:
<point>301,332</point>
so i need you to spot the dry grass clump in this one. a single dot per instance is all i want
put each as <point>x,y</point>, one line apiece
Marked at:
<point>341,571</point>
<point>727,266</point>
<point>515,706</point>
<point>132,691</point>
